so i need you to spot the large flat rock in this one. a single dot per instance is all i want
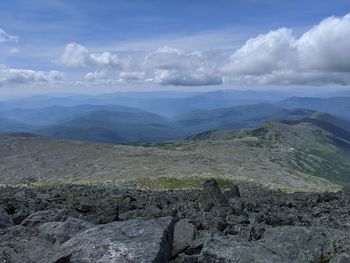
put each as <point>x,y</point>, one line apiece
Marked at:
<point>137,240</point>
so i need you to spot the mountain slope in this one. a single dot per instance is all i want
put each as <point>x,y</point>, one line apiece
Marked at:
<point>57,114</point>
<point>337,126</point>
<point>300,157</point>
<point>299,145</point>
<point>9,125</point>
<point>339,106</point>
<point>236,117</point>
<point>114,127</point>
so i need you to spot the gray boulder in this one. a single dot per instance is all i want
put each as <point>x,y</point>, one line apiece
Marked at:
<point>184,234</point>
<point>5,221</point>
<point>127,241</point>
<point>225,249</point>
<point>280,244</point>
<point>301,244</point>
<point>232,192</point>
<point>148,212</point>
<point>62,231</point>
<point>342,258</point>
<point>22,244</point>
<point>211,195</point>
<point>42,217</point>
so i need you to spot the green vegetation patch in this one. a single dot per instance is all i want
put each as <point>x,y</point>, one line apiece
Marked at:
<point>179,183</point>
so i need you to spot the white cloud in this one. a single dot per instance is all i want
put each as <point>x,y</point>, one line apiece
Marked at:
<point>19,76</point>
<point>4,37</point>
<point>76,55</point>
<point>326,46</point>
<point>168,58</point>
<point>199,77</point>
<point>102,77</point>
<point>97,75</point>
<point>264,54</point>
<point>319,56</point>
<point>165,66</point>
<point>172,66</point>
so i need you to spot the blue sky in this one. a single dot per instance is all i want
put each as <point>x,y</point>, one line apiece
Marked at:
<point>200,37</point>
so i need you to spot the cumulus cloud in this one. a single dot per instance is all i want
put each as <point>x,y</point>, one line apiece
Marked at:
<point>97,75</point>
<point>264,54</point>
<point>326,46</point>
<point>165,66</point>
<point>199,77</point>
<point>18,76</point>
<point>76,55</point>
<point>319,56</point>
<point>176,67</point>
<point>4,37</point>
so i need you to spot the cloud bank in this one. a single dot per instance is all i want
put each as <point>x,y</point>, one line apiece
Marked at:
<point>319,56</point>
<point>179,68</point>
<point>19,76</point>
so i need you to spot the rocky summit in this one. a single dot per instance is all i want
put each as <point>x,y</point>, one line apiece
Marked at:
<point>236,223</point>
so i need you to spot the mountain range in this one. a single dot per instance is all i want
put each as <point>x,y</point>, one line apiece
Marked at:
<point>300,143</point>
<point>147,117</point>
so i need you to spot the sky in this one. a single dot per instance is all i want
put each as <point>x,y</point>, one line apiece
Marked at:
<point>63,46</point>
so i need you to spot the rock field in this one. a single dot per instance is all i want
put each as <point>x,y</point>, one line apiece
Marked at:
<point>243,223</point>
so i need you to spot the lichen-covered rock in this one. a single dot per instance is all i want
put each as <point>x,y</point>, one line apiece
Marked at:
<point>127,241</point>
<point>62,231</point>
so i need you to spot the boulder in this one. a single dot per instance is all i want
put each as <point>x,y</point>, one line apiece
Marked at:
<point>225,249</point>
<point>148,212</point>
<point>342,258</point>
<point>184,233</point>
<point>5,221</point>
<point>19,216</point>
<point>211,195</point>
<point>42,217</point>
<point>126,241</point>
<point>303,244</point>
<point>232,192</point>
<point>62,231</point>
<point>280,244</point>
<point>22,244</point>
<point>183,258</point>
